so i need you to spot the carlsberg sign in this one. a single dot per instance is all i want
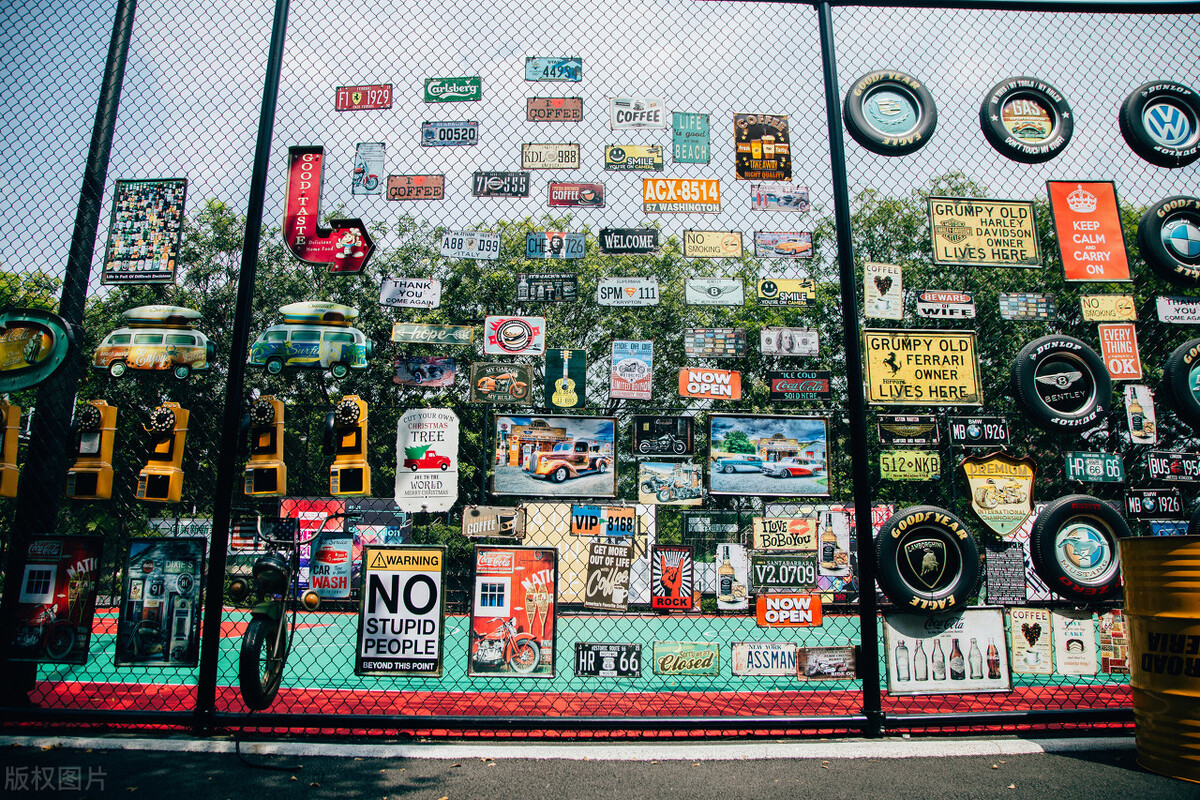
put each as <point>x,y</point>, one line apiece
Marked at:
<point>450,90</point>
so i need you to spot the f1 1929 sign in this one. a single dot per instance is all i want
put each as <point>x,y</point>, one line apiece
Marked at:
<point>363,98</point>
<point>605,660</point>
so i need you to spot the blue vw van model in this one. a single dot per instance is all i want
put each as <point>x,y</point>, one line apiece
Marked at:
<point>313,334</point>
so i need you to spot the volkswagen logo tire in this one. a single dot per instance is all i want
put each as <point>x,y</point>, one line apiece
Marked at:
<point>1026,120</point>
<point>890,113</point>
<point>1061,384</point>
<point>1169,238</point>
<point>1160,121</point>
<point>1074,547</point>
<point>927,560</point>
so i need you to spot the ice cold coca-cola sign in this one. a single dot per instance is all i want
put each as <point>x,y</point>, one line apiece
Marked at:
<point>794,385</point>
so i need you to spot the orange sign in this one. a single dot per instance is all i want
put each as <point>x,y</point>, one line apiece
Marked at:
<point>1118,347</point>
<point>1087,222</point>
<point>788,610</point>
<point>714,384</point>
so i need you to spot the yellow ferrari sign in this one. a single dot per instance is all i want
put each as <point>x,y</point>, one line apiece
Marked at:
<point>922,368</point>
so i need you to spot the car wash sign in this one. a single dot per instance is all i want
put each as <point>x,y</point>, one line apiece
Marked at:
<point>402,614</point>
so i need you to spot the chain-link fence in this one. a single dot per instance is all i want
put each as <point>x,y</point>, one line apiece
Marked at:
<point>691,157</point>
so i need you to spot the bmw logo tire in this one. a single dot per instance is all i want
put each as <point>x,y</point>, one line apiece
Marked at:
<point>927,561</point>
<point>890,113</point>
<point>1026,120</point>
<point>1181,379</point>
<point>1061,384</point>
<point>1169,239</point>
<point>1074,548</point>
<point>1160,121</point>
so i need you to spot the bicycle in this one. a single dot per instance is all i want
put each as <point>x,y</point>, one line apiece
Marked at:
<point>268,638</point>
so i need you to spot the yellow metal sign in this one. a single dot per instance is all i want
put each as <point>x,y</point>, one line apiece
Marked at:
<point>1108,307</point>
<point>406,560</point>
<point>922,368</point>
<point>1001,489</point>
<point>681,196</point>
<point>984,233</point>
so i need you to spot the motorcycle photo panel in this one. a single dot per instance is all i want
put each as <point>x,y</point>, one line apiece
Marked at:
<point>57,599</point>
<point>513,614</point>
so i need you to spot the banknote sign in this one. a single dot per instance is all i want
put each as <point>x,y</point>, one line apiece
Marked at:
<point>634,157</point>
<point>909,465</point>
<point>789,342</point>
<point>585,195</point>
<point>945,305</point>
<point>1027,306</point>
<point>1108,307</point>
<point>689,138</point>
<point>983,232</point>
<point>416,187</point>
<point>628,241</point>
<point>462,133</point>
<point>792,386</point>
<point>554,68</point>
<point>681,196</point>
<point>1087,222</point>
<point>363,98</point>
<point>500,184</point>
<point>799,293</point>
<point>922,368</point>
<point>783,244</point>
<point>712,244</point>
<point>714,342</point>
<point>1166,466</point>
<point>627,291</point>
<point>1095,467</point>
<point>554,109</point>
<point>402,613</point>
<point>549,156</point>
<point>554,245</point>
<point>453,90</point>
<point>637,113</point>
<point>761,148</point>
<point>413,333</point>
<point>479,245</point>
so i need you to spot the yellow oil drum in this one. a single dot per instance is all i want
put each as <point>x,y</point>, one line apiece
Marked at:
<point>1162,604</point>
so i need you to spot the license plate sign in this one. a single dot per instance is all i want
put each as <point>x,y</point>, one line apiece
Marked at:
<point>549,156</point>
<point>1095,467</point>
<point>363,98</point>
<point>909,465</point>
<point>479,245</point>
<point>554,68</point>
<point>979,431</point>
<point>797,571</point>
<point>681,196</point>
<point>603,660</point>
<point>1183,467</point>
<point>450,134</point>
<point>500,184</point>
<point>1154,503</point>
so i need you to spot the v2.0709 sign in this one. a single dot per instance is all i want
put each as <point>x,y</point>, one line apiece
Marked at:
<point>402,613</point>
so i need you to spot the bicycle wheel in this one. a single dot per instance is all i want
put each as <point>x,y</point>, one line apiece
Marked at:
<point>260,664</point>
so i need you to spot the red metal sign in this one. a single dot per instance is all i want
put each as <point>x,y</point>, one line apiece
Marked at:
<point>363,98</point>
<point>346,247</point>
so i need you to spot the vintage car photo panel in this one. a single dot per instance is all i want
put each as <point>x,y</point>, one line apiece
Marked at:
<point>553,456</point>
<point>768,456</point>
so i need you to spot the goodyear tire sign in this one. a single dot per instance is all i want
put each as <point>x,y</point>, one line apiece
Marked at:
<point>922,368</point>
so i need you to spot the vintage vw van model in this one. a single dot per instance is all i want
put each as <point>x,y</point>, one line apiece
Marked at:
<point>155,338</point>
<point>314,334</point>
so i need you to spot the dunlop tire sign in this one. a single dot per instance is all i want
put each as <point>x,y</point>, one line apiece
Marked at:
<point>922,368</point>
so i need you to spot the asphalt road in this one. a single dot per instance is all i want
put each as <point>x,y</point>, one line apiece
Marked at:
<point>514,480</point>
<point>756,483</point>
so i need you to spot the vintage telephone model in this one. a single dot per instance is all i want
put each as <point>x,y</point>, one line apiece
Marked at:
<point>10,418</point>
<point>346,441</point>
<point>266,472</point>
<point>161,480</point>
<point>91,476</point>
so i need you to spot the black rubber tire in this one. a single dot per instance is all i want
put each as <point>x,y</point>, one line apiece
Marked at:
<point>1181,372</point>
<point>1171,103</point>
<point>1048,362</point>
<point>1079,514</point>
<point>1177,214</point>
<point>865,127</point>
<point>526,656</point>
<point>1193,528</point>
<point>1007,143</point>
<point>261,662</point>
<point>900,578</point>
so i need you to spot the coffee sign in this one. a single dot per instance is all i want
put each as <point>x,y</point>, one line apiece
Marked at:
<point>554,109</point>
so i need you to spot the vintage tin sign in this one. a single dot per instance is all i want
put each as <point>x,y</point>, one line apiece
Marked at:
<point>796,571</point>
<point>779,197</point>
<point>608,567</point>
<point>1139,414</point>
<point>35,343</point>
<point>558,245</point>
<point>554,68</point>
<point>792,386</point>
<point>628,241</point>
<point>427,460</point>
<point>789,342</point>
<point>936,304</point>
<point>1165,466</point>
<point>798,293</point>
<point>883,293</point>
<point>703,529</point>
<point>1119,349</point>
<point>403,611</point>
<point>144,231</point>
<point>553,109</point>
<point>632,371</point>
<point>54,611</point>
<point>584,195</point>
<point>369,159</point>
<point>416,187</point>
<point>768,456</point>
<point>550,156</point>
<point>555,456</point>
<point>783,533</point>
<point>713,291</point>
<point>714,342</point>
<point>512,336</point>
<point>1178,310</point>
<point>676,483</point>
<point>687,658</point>
<point>627,292</point>
<point>363,98</point>
<point>922,367</point>
<point>1087,222</point>
<point>825,664</point>
<point>479,245</point>
<point>681,196</point>
<point>346,245</point>
<point>1154,503</point>
<point>604,660</point>
<point>454,90</point>
<point>637,113</point>
<point>663,436</point>
<point>689,138</point>
<point>1108,307</point>
<point>1029,629</point>
<point>908,430</point>
<point>764,659</point>
<point>1095,467</point>
<point>672,578</point>
<point>493,522</point>
<point>554,287</point>
<point>933,655</point>
<point>733,576</point>
<point>983,232</point>
<point>504,382</point>
<point>566,378</point>
<point>1074,642</point>
<point>450,134</point>
<point>514,620</point>
<point>712,244</point>
<point>710,384</point>
<point>761,148</point>
<point>424,371</point>
<point>979,431</point>
<point>168,574</point>
<point>634,157</point>
<point>788,610</point>
<point>500,184</point>
<point>1004,565</point>
<point>412,333</point>
<point>1001,489</point>
<point>410,292</point>
<point>1027,306</point>
<point>607,521</point>
<point>909,465</point>
<point>783,244</point>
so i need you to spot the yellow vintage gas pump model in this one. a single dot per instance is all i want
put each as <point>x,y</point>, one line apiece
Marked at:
<point>161,480</point>
<point>10,419</point>
<point>91,477</point>
<point>346,440</point>
<point>266,472</point>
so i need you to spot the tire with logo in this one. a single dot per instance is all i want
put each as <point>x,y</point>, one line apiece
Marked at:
<point>1160,121</point>
<point>1169,239</point>
<point>1074,547</point>
<point>927,560</point>
<point>1026,120</point>
<point>1061,384</point>
<point>1181,378</point>
<point>890,113</point>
